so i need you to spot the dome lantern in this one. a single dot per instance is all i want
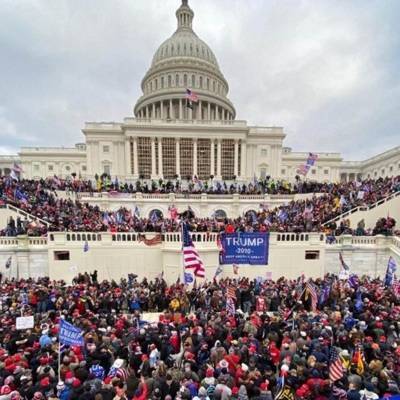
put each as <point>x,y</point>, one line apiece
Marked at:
<point>184,15</point>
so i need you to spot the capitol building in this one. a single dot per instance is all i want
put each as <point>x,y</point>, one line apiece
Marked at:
<point>170,137</point>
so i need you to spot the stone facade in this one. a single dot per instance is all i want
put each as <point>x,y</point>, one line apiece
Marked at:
<point>167,139</point>
<point>61,255</point>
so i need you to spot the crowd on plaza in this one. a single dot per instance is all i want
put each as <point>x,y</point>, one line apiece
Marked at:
<point>297,216</point>
<point>276,342</point>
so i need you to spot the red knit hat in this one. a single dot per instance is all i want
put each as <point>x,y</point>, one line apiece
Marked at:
<point>209,373</point>
<point>69,375</point>
<point>76,383</point>
<point>44,382</point>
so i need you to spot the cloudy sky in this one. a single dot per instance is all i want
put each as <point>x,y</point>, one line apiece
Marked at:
<point>327,71</point>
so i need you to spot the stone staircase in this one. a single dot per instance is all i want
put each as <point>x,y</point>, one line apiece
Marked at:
<point>388,206</point>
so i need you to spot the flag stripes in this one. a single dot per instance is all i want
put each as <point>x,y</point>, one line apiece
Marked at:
<point>311,290</point>
<point>335,365</point>
<point>191,258</point>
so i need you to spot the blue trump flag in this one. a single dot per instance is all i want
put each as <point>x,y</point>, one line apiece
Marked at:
<point>391,269</point>
<point>70,334</point>
<point>245,248</point>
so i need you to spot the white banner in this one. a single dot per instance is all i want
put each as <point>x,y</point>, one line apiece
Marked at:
<point>24,322</point>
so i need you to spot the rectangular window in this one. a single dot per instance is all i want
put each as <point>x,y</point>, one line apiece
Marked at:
<point>84,168</point>
<point>227,158</point>
<point>326,171</point>
<point>313,171</point>
<point>106,149</point>
<point>169,158</point>
<point>283,171</point>
<point>186,155</point>
<point>312,255</point>
<point>61,255</point>
<point>107,169</point>
<point>144,157</point>
<point>203,158</point>
<point>51,168</point>
<point>264,152</point>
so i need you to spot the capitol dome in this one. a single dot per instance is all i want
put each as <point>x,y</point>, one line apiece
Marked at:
<point>182,62</point>
<point>184,43</point>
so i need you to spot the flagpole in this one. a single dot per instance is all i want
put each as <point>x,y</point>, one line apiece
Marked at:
<point>182,256</point>
<point>59,360</point>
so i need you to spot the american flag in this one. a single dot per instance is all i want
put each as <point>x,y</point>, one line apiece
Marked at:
<point>335,365</point>
<point>311,290</point>
<point>396,286</point>
<point>191,258</point>
<point>230,306</point>
<point>191,96</point>
<point>231,292</point>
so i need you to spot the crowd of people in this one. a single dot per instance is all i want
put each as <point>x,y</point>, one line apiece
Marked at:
<point>323,339</point>
<point>307,215</point>
<point>105,183</point>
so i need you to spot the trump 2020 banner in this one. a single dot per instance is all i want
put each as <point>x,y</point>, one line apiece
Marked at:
<point>245,248</point>
<point>70,334</point>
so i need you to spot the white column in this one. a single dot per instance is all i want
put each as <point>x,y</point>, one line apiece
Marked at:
<point>199,111</point>
<point>153,158</point>
<point>209,111</point>
<point>190,113</point>
<point>178,156</point>
<point>243,163</point>
<point>147,111</point>
<point>219,159</point>
<point>171,110</point>
<point>128,158</point>
<point>216,113</point>
<point>236,159</point>
<point>212,155</point>
<point>195,157</point>
<point>135,158</point>
<point>160,168</point>
<point>153,112</point>
<point>162,109</point>
<point>180,109</point>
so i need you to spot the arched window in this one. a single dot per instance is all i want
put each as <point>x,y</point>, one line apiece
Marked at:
<point>155,215</point>
<point>208,83</point>
<point>193,81</point>
<point>219,214</point>
<point>176,80</point>
<point>184,49</point>
<point>213,86</point>
<point>169,81</point>
<point>201,82</point>
<point>156,84</point>
<point>162,82</point>
<point>185,80</point>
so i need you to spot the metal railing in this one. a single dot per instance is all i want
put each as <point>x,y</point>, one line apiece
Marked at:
<point>26,214</point>
<point>363,208</point>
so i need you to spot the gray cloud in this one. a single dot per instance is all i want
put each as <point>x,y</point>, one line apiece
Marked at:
<point>325,71</point>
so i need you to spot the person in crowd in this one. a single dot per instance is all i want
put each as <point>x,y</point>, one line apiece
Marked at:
<point>345,345</point>
<point>40,199</point>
